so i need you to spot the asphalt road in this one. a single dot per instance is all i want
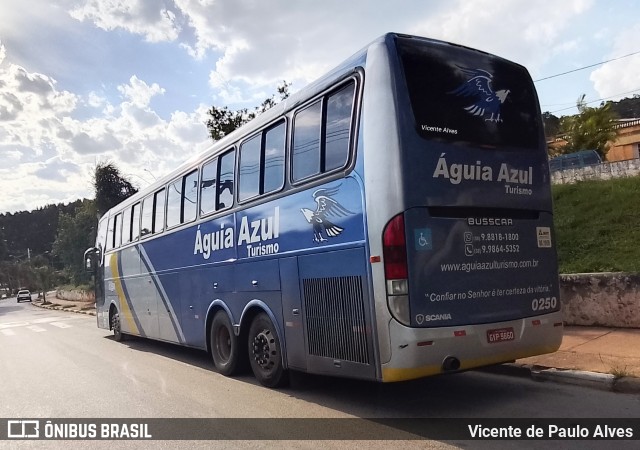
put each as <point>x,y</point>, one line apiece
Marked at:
<point>56,364</point>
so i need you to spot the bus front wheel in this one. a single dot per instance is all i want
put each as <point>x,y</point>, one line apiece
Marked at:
<point>224,345</point>
<point>116,326</point>
<point>265,353</point>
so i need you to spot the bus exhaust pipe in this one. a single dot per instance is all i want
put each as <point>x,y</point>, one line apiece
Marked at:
<point>450,364</point>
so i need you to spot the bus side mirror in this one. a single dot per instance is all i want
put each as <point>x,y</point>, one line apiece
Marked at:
<point>91,258</point>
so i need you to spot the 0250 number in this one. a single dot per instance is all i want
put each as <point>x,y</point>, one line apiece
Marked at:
<point>544,304</point>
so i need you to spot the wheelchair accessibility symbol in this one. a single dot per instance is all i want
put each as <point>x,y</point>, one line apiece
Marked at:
<point>422,238</point>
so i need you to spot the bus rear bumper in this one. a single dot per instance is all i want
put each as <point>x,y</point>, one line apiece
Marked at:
<point>421,352</point>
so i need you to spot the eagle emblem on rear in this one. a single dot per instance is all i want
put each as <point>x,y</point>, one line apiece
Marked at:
<point>327,208</point>
<point>484,102</point>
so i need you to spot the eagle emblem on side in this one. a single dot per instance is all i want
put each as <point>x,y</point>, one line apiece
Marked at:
<point>326,208</point>
<point>484,101</point>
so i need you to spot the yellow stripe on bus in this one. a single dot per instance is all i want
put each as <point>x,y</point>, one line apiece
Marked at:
<point>125,311</point>
<point>391,374</point>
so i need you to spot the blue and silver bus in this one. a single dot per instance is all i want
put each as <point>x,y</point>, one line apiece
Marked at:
<point>391,221</point>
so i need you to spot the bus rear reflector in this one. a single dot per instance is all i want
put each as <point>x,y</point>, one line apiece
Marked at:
<point>395,249</point>
<point>399,308</point>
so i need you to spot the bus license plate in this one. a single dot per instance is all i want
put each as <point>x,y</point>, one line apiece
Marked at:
<point>500,335</point>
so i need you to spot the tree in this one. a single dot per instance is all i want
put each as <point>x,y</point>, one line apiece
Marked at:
<point>76,233</point>
<point>110,186</point>
<point>43,276</point>
<point>4,250</point>
<point>551,125</point>
<point>591,129</point>
<point>223,121</point>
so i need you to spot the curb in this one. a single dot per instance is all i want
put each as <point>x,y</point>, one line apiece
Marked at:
<point>594,380</point>
<point>59,308</point>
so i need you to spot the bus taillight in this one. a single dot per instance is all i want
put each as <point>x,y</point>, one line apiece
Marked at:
<point>395,269</point>
<point>395,249</point>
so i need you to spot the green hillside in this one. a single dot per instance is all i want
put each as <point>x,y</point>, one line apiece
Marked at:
<point>598,225</point>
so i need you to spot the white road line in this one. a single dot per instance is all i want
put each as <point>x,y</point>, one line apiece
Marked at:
<point>13,324</point>
<point>60,325</point>
<point>36,328</point>
<point>8,332</point>
<point>48,319</point>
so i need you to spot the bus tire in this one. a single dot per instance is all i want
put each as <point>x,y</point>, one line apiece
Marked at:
<point>265,353</point>
<point>116,326</point>
<point>224,345</point>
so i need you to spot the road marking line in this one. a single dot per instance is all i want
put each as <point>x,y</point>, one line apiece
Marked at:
<point>60,325</point>
<point>47,319</point>
<point>13,324</point>
<point>8,332</point>
<point>36,328</point>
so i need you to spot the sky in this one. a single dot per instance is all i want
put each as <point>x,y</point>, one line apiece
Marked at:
<point>130,81</point>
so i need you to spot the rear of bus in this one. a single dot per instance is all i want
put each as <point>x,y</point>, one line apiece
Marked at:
<point>465,220</point>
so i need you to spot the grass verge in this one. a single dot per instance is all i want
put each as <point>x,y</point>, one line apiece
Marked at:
<point>598,225</point>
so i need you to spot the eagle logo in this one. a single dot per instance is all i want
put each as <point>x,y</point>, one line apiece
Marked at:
<point>485,102</point>
<point>326,207</point>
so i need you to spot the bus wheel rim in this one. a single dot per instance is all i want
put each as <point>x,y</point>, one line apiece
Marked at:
<point>264,348</point>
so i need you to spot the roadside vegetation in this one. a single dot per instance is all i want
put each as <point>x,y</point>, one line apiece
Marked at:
<point>598,225</point>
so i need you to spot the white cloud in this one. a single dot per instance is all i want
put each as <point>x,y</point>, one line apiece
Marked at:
<point>49,151</point>
<point>30,104</point>
<point>147,18</point>
<point>515,29</point>
<point>621,78</point>
<point>56,169</point>
<point>96,100</point>
<point>138,92</point>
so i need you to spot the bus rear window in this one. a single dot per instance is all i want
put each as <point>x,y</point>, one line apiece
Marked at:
<point>462,95</point>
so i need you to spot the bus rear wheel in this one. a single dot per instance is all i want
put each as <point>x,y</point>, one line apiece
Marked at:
<point>224,345</point>
<point>265,353</point>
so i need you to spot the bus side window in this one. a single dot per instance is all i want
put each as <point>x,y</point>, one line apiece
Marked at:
<point>208,185</point>
<point>126,226</point>
<point>274,158</point>
<point>262,163</point>
<point>174,197</point>
<point>117,240</point>
<point>189,197</point>
<point>135,223</point>
<point>110,233</point>
<point>249,181</point>
<point>147,216</point>
<point>158,208</point>
<point>322,134</point>
<point>306,142</point>
<point>338,123</point>
<point>226,180</point>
